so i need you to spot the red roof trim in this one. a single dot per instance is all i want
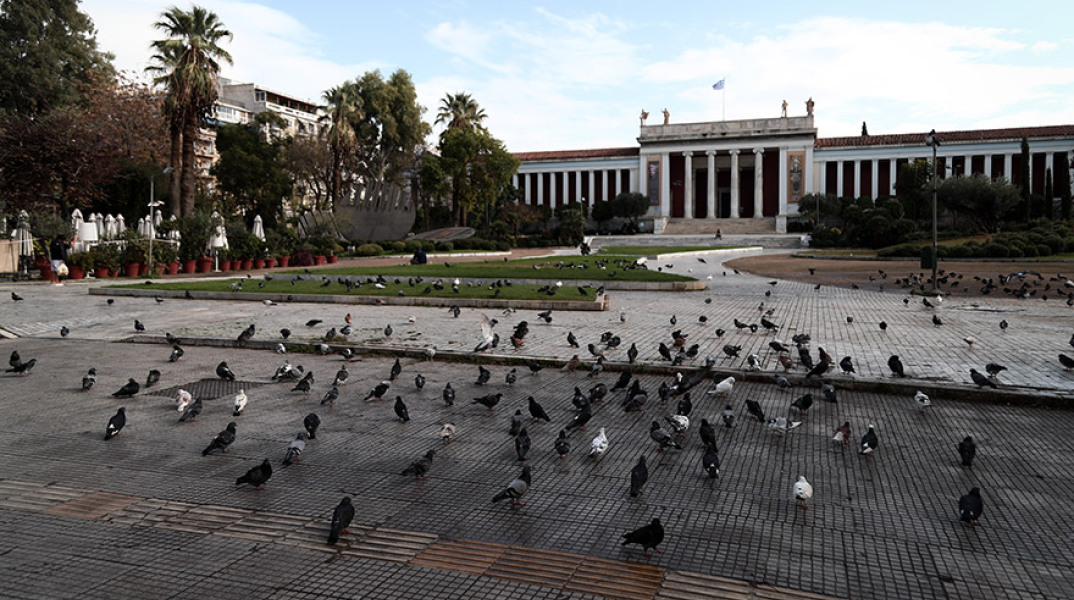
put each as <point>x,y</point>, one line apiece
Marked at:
<point>577,154</point>
<point>972,135</point>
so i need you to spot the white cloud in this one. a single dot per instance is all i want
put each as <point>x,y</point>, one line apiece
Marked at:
<point>1042,47</point>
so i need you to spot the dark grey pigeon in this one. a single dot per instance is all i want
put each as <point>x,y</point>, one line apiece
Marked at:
<point>89,379</point>
<point>191,413</point>
<point>420,468</point>
<point>522,445</point>
<point>341,520</point>
<point>981,380</point>
<point>116,424</point>
<point>130,389</point>
<point>537,411</point>
<point>257,476</point>
<point>224,372</point>
<point>710,461</point>
<point>222,440</point>
<point>647,537</point>
<point>662,437</point>
<point>449,395</point>
<point>295,449</point>
<point>967,450</point>
<point>401,410</point>
<point>311,423</point>
<point>639,475</point>
<point>707,433</point>
<point>970,507</point>
<point>516,489</point>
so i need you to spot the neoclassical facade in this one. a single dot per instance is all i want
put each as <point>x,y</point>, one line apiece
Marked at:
<point>725,172</point>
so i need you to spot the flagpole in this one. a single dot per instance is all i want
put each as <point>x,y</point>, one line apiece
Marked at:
<point>723,101</point>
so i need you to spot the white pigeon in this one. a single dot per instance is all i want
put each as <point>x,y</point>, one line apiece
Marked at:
<point>754,362</point>
<point>240,402</point>
<point>679,423</point>
<point>487,335</point>
<point>430,352</point>
<point>281,349</point>
<point>182,400</point>
<point>447,432</point>
<point>379,286</point>
<point>969,340</point>
<point>780,425</point>
<point>599,445</point>
<point>323,348</point>
<point>803,491</point>
<point>723,389</point>
<point>411,319</point>
<point>922,400</point>
<point>839,439</point>
<point>622,316</point>
<point>267,302</point>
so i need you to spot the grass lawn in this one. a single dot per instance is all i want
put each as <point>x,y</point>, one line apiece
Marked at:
<point>281,284</point>
<point>654,250</point>
<point>595,268</point>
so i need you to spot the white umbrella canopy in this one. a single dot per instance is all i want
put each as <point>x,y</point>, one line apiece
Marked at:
<point>259,228</point>
<point>121,225</point>
<point>141,227</point>
<point>98,219</point>
<point>76,225</point>
<point>157,218</point>
<point>110,228</point>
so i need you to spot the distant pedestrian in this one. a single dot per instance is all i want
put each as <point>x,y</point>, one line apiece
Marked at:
<point>719,234</point>
<point>58,254</point>
<point>420,258</point>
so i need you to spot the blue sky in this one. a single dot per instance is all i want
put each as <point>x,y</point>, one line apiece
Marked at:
<point>563,75</point>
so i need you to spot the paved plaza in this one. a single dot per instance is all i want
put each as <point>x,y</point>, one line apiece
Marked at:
<point>146,516</point>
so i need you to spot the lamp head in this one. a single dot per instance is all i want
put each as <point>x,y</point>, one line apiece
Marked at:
<point>930,139</point>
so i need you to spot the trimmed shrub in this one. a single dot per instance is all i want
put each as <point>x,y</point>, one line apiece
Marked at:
<point>960,251</point>
<point>397,246</point>
<point>996,250</point>
<point>412,246</point>
<point>369,250</point>
<point>444,246</point>
<point>1044,250</point>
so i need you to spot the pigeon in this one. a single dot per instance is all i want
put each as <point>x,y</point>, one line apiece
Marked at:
<point>116,424</point>
<point>488,337</point>
<point>483,375</point>
<point>419,381</point>
<point>341,520</point>
<point>883,326</point>
<point>401,410</point>
<point>397,368</point>
<point>330,396</point>
<point>153,378</point>
<point>728,416</point>
<point>128,390</point>
<point>246,334</point>
<point>522,443</point>
<point>516,489</point>
<point>781,425</point>
<point>420,467</point>
<point>753,362</point>
<point>632,353</point>
<point>599,445</point>
<point>731,351</point>
<point>489,401</point>
<point>176,354</point>
<point>388,331</point>
<point>981,380</point>
<point>257,476</point>
<point>15,297</point>
<point>994,369</point>
<point>623,381</point>
<point>183,399</point>
<point>842,435</point>
<point>24,368</point>
<point>707,433</point>
<point>970,507</point>
<point>171,338</point>
<point>827,391</point>
<point>377,392</point>
<point>222,440</point>
<point>783,383</point>
<point>191,413</point>
<point>662,437</point>
<point>846,365</point>
<point>803,491</point>
<point>64,331</point>
<point>537,411</point>
<point>516,423</point>
<point>511,377</point>
<point>819,369</point>
<point>447,432</point>
<point>967,450</point>
<point>724,387</point>
<point>285,333</point>
<point>869,441</point>
<point>754,408</point>
<point>1003,325</point>
<point>639,475</point>
<point>311,423</point>
<point>679,423</point>
<point>802,403</point>
<point>1066,361</point>
<point>449,395</point>
<point>139,326</point>
<point>581,419</point>
<point>305,384</point>
<point>710,461</point>
<point>89,379</point>
<point>896,366</point>
<point>311,323</point>
<point>224,372</point>
<point>648,537</point>
<point>562,445</point>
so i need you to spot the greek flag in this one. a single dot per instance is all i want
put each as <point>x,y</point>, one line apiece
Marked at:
<point>718,85</point>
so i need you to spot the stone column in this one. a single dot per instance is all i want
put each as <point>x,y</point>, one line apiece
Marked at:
<point>633,178</point>
<point>822,168</point>
<point>839,179</point>
<point>857,179</point>
<point>874,179</point>
<point>578,187</point>
<point>710,203</point>
<point>988,166</point>
<point>1049,163</point>
<point>515,180</point>
<point>592,189</point>
<point>540,189</point>
<point>552,190</point>
<point>736,193</point>
<point>665,185</point>
<point>809,182</point>
<point>893,174</point>
<point>781,204</point>
<point>604,185</point>
<point>758,183</point>
<point>1008,166</point>
<point>688,185</point>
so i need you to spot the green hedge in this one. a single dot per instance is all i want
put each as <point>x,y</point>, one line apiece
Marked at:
<point>368,250</point>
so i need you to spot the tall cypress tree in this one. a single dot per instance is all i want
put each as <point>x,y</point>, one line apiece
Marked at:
<point>47,49</point>
<point>1024,184</point>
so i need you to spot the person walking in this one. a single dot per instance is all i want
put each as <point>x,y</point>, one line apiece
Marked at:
<point>58,253</point>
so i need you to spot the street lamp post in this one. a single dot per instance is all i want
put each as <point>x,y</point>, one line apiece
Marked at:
<point>153,203</point>
<point>931,140</point>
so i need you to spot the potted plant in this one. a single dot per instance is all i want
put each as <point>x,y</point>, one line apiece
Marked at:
<point>194,238</point>
<point>223,255</point>
<point>79,263</point>
<point>133,255</point>
<point>105,260</point>
<point>165,257</point>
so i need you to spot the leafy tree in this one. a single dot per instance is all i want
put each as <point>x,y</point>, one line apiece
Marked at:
<point>460,111</point>
<point>1062,181</point>
<point>340,112</point>
<point>821,209</point>
<point>187,64</point>
<point>1024,186</point>
<point>603,211</point>
<point>309,161</point>
<point>979,199</point>
<point>914,189</point>
<point>631,205</point>
<point>48,48</point>
<point>250,173</point>
<point>479,167</point>
<point>389,128</point>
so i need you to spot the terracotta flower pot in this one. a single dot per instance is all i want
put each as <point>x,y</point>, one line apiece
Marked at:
<point>332,258</point>
<point>205,264</point>
<point>101,272</point>
<point>190,266</point>
<point>270,263</point>
<point>284,260</point>
<point>247,264</point>
<point>319,260</point>
<point>173,267</point>
<point>143,270</point>
<point>75,272</point>
<point>225,265</point>
<point>132,269</point>
<point>259,263</point>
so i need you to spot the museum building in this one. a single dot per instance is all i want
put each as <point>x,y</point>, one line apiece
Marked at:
<point>747,176</point>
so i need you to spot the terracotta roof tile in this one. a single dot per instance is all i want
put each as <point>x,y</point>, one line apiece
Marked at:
<point>972,135</point>
<point>577,154</point>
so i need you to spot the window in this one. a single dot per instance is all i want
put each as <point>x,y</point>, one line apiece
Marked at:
<point>259,96</point>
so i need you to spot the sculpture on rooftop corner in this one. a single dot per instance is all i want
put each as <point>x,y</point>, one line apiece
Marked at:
<point>667,116</point>
<point>644,115</point>
<point>809,106</point>
<point>784,114</point>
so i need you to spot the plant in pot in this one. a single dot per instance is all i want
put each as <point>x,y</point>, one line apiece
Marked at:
<point>134,254</point>
<point>281,242</point>
<point>194,233</point>
<point>166,257</point>
<point>105,259</point>
<point>79,264</point>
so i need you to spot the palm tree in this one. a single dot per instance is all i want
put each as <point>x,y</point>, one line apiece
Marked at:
<point>187,64</point>
<point>173,111</point>
<point>340,113</point>
<point>460,111</point>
